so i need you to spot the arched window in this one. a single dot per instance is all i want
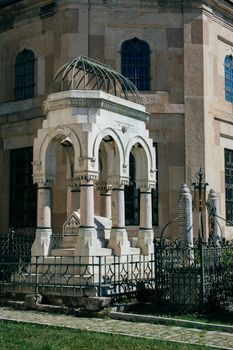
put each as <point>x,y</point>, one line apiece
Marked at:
<point>24,75</point>
<point>135,62</point>
<point>228,63</point>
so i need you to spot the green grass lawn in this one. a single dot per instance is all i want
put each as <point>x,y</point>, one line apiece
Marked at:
<point>24,336</point>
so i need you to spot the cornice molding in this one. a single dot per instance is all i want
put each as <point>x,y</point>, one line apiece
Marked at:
<point>96,103</point>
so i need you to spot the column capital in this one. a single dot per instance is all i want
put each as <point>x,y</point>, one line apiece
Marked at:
<point>44,181</point>
<point>73,183</point>
<point>145,186</point>
<point>118,181</point>
<point>104,188</point>
<point>87,175</point>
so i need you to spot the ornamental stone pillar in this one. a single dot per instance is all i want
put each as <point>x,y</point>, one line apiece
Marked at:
<point>41,245</point>
<point>145,234</point>
<point>185,217</point>
<point>213,213</point>
<point>118,238</point>
<point>105,200</point>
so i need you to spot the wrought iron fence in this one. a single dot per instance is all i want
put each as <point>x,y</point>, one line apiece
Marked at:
<point>15,246</point>
<point>194,278</point>
<point>181,279</point>
<point>103,275</point>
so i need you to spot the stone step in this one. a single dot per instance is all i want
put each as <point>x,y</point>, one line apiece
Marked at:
<point>67,244</point>
<point>135,251</point>
<point>65,290</point>
<point>62,252</point>
<point>50,279</point>
<point>64,260</point>
<point>103,251</point>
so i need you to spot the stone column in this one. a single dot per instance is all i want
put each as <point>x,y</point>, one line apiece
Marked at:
<point>105,200</point>
<point>87,204</point>
<point>87,244</point>
<point>213,212</point>
<point>41,245</point>
<point>145,234</point>
<point>118,238</point>
<point>74,198</point>
<point>118,207</point>
<point>185,217</point>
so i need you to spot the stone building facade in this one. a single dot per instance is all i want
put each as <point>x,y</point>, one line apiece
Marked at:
<point>187,92</point>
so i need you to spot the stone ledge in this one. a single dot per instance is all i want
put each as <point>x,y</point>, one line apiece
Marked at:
<point>170,321</point>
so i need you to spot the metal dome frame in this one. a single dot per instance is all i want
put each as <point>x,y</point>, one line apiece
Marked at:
<point>94,76</point>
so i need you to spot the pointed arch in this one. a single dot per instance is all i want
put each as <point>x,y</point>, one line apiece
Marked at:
<point>118,153</point>
<point>45,146</point>
<point>144,157</point>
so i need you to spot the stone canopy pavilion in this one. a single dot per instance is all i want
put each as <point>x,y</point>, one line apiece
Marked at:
<point>91,115</point>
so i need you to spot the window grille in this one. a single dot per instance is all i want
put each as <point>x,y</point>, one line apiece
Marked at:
<point>24,75</point>
<point>229,185</point>
<point>22,190</point>
<point>135,63</point>
<point>228,64</point>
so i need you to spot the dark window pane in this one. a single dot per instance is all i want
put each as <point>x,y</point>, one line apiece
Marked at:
<point>135,62</point>
<point>229,78</point>
<point>22,190</point>
<point>229,185</point>
<point>132,202</point>
<point>24,75</point>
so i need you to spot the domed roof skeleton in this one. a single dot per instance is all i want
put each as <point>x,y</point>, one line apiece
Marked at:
<point>94,76</point>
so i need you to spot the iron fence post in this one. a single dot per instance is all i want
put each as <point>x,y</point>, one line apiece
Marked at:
<point>100,287</point>
<point>155,267</point>
<point>202,273</point>
<point>37,277</point>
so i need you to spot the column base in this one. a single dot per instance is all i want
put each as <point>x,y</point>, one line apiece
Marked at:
<point>41,244</point>
<point>145,241</point>
<point>119,241</point>
<point>87,242</point>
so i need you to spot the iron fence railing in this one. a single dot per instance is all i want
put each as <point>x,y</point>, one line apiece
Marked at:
<point>194,278</point>
<point>103,275</point>
<point>181,279</point>
<point>16,245</point>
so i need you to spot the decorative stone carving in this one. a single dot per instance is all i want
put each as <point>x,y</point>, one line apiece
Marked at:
<point>71,226</point>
